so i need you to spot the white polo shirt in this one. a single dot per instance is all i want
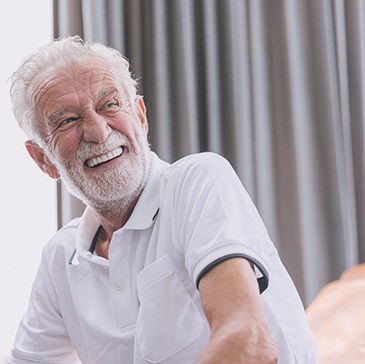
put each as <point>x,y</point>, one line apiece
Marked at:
<point>142,305</point>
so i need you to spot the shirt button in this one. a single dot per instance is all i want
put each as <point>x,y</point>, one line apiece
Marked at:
<point>119,285</point>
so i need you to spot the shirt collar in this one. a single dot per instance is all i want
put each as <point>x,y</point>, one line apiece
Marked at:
<point>141,218</point>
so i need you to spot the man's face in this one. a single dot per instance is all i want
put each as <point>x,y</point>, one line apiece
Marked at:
<point>94,138</point>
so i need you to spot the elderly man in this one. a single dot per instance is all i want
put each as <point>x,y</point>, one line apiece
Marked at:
<point>169,263</point>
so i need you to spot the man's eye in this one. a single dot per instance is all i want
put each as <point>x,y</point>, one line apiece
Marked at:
<point>110,105</point>
<point>68,120</point>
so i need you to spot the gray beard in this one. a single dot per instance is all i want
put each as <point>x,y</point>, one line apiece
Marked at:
<point>111,190</point>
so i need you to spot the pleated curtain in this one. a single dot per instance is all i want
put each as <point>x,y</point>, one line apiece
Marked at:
<point>275,86</point>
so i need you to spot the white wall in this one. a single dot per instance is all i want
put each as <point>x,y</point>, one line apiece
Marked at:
<point>27,197</point>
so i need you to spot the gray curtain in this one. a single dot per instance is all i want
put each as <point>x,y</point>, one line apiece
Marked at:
<point>275,86</point>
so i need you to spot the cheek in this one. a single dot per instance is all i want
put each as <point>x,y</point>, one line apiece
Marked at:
<point>65,148</point>
<point>123,119</point>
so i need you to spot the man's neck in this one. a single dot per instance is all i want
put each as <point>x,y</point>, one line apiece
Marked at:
<point>111,220</point>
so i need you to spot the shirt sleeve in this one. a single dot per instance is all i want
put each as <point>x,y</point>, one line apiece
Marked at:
<point>217,219</point>
<point>41,336</point>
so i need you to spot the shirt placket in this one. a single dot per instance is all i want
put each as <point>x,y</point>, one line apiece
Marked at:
<point>120,283</point>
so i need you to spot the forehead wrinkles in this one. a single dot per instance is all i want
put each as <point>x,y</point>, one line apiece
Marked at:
<point>91,76</point>
<point>45,90</point>
<point>65,82</point>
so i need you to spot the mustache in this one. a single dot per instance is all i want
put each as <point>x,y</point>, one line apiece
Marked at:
<point>87,150</point>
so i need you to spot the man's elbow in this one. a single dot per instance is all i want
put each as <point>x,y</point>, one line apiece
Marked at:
<point>239,346</point>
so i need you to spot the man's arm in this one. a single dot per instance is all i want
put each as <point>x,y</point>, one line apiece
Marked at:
<point>231,302</point>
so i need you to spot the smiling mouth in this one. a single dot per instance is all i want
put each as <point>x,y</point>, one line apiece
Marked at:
<point>101,159</point>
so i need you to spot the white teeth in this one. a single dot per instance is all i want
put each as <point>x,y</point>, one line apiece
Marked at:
<point>104,158</point>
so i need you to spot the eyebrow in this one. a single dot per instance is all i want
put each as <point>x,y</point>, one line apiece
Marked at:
<point>52,117</point>
<point>107,92</point>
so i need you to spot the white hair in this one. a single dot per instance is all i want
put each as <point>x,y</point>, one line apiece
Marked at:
<point>54,55</point>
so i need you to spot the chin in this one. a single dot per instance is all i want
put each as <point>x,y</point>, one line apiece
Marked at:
<point>110,190</point>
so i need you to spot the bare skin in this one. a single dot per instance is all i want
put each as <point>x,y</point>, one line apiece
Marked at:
<point>231,302</point>
<point>102,245</point>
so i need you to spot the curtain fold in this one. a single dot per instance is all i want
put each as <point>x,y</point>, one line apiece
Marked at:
<point>354,37</point>
<point>277,87</point>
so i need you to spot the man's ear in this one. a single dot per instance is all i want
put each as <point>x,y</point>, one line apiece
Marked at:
<point>40,157</point>
<point>142,114</point>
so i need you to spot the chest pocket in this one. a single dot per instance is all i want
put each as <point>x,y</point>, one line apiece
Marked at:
<point>168,321</point>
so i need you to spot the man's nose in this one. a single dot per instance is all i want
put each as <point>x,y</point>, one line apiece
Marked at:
<point>95,128</point>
